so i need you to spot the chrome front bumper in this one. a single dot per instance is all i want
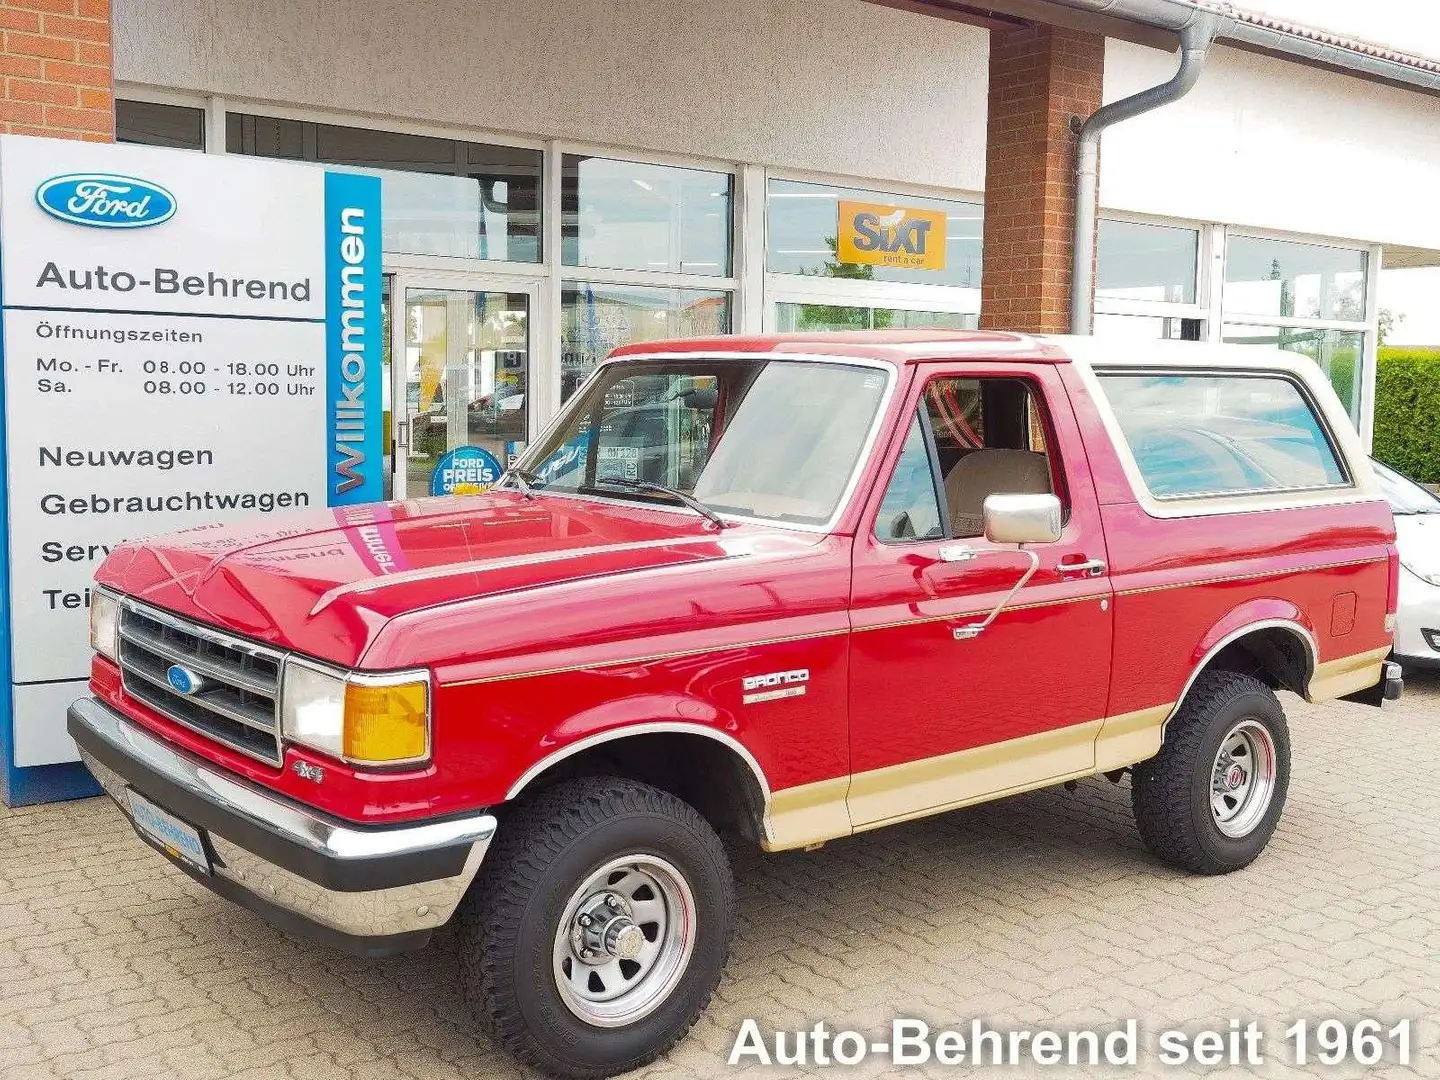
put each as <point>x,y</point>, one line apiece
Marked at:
<point>368,890</point>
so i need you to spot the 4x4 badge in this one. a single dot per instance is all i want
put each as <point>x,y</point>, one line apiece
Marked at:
<point>306,771</point>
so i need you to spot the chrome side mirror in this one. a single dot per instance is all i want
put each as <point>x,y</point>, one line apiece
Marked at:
<point>1021,519</point>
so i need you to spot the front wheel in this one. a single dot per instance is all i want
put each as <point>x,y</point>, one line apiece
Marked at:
<point>600,928</point>
<point>1210,800</point>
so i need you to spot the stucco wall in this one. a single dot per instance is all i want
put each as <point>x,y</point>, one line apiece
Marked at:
<point>1270,144</point>
<point>829,85</point>
<point>834,86</point>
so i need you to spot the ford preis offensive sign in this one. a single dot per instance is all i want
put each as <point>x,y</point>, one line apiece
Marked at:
<point>186,339</point>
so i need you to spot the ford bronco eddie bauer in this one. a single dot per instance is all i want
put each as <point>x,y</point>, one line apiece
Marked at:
<point>791,587</point>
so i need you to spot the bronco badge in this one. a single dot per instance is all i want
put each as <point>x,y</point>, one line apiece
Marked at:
<point>775,685</point>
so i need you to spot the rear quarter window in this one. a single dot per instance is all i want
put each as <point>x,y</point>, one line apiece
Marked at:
<point>1211,434</point>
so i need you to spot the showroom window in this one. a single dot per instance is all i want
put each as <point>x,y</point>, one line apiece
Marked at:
<point>628,215</point>
<point>1151,263</point>
<point>596,318</point>
<point>1305,281</point>
<point>647,251</point>
<point>843,258</point>
<point>442,197</point>
<point>150,123</point>
<point>820,230</point>
<point>1148,280</point>
<point>1303,297</point>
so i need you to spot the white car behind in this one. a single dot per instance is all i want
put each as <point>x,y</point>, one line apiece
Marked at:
<point>1417,535</point>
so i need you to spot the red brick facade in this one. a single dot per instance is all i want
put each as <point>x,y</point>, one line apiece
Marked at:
<point>55,69</point>
<point>1039,78</point>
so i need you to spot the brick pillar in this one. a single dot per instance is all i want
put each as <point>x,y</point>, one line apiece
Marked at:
<point>55,69</point>
<point>1040,77</point>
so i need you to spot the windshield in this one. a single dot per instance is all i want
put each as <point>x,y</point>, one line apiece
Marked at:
<point>1406,496</point>
<point>763,438</point>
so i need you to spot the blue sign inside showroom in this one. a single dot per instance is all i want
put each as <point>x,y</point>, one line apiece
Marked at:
<point>465,470</point>
<point>187,339</point>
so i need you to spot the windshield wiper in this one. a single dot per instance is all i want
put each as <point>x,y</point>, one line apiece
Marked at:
<point>660,489</point>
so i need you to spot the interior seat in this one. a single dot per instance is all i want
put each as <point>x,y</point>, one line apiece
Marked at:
<point>990,472</point>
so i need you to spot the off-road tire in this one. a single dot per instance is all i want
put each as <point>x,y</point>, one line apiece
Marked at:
<point>544,850</point>
<point>1171,793</point>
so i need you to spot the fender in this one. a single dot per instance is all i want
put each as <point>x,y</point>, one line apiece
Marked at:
<point>1261,613</point>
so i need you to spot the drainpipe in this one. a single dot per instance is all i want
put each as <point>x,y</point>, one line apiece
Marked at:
<point>1195,39</point>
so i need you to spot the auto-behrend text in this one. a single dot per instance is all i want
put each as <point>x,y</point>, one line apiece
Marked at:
<point>913,1042</point>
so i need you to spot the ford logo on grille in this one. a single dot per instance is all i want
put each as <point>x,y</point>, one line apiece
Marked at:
<point>183,680</point>
<point>105,200</point>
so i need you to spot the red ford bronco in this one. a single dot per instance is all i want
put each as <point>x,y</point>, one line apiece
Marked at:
<point>792,588</point>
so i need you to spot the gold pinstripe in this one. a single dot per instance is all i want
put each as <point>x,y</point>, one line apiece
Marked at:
<point>650,659</point>
<point>951,617</point>
<point>1249,577</point>
<point>981,611</point>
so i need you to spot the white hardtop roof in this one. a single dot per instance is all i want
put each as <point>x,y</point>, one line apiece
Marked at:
<point>1103,352</point>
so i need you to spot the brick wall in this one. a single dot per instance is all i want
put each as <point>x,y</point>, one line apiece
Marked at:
<point>1039,78</point>
<point>55,69</point>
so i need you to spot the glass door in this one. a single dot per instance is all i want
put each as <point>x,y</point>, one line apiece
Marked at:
<point>460,381</point>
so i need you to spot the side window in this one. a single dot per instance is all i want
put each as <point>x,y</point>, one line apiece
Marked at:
<point>910,510</point>
<point>1198,435</point>
<point>972,438</point>
<point>989,440</point>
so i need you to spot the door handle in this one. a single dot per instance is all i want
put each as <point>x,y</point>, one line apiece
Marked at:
<point>964,554</point>
<point>1090,567</point>
<point>402,434</point>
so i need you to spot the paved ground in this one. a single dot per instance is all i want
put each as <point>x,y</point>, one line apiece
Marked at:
<point>1039,911</point>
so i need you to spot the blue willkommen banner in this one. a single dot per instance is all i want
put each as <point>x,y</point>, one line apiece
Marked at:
<point>353,286</point>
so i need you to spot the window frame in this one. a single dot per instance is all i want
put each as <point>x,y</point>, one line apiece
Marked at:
<point>1205,499</point>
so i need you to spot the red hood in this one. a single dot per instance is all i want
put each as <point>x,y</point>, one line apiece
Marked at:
<point>312,581</point>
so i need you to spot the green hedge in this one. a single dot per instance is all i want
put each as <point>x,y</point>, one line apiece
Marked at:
<point>1407,412</point>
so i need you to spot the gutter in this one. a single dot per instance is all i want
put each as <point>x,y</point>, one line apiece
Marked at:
<point>1196,35</point>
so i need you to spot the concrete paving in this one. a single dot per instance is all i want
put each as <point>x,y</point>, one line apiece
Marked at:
<point>1039,911</point>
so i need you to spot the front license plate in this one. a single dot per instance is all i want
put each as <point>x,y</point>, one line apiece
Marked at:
<point>179,840</point>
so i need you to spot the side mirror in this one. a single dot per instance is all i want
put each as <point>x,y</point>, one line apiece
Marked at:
<point>1021,519</point>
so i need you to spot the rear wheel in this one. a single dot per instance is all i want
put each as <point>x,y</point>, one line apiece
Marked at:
<point>1210,800</point>
<point>600,929</point>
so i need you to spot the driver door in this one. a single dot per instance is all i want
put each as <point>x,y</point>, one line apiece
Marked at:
<point>940,719</point>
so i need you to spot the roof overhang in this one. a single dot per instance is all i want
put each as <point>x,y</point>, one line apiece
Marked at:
<point>1156,23</point>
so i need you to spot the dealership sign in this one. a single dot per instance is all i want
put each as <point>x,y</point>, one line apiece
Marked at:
<point>187,339</point>
<point>877,235</point>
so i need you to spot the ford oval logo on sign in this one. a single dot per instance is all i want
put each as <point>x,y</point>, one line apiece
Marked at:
<point>105,200</point>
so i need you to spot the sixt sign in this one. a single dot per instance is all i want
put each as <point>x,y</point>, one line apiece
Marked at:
<point>877,235</point>
<point>105,200</point>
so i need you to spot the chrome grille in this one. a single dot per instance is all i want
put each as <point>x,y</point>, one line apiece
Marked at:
<point>238,700</point>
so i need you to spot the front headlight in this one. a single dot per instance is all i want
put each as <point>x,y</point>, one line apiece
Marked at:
<point>1430,579</point>
<point>105,624</point>
<point>360,718</point>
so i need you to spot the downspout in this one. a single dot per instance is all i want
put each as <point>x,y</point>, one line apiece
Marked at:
<point>1195,39</point>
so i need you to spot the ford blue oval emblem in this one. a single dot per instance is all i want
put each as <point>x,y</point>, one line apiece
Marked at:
<point>105,200</point>
<point>183,680</point>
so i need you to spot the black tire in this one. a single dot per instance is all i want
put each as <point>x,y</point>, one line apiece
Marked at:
<point>1171,793</point>
<point>545,851</point>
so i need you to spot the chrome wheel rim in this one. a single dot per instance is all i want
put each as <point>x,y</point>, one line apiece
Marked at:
<point>1242,782</point>
<point>624,940</point>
